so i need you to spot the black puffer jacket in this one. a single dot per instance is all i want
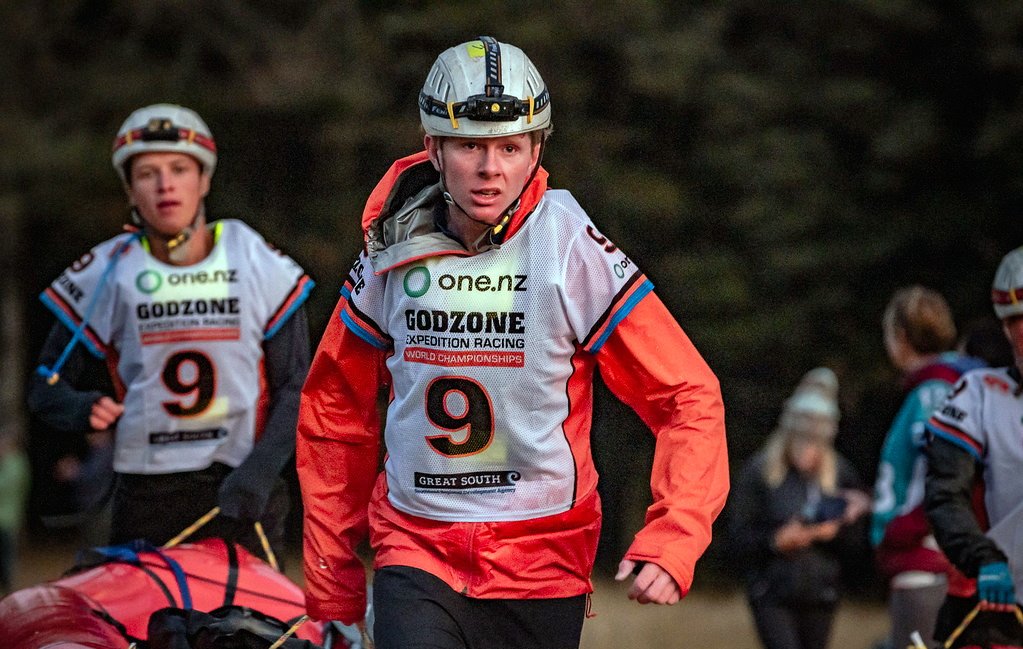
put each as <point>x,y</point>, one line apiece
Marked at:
<point>811,575</point>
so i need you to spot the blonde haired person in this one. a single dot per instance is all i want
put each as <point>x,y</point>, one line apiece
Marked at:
<point>794,508</point>
<point>919,334</point>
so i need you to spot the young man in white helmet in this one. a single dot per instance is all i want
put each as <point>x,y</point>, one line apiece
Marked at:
<point>203,330</point>
<point>482,304</point>
<point>974,444</point>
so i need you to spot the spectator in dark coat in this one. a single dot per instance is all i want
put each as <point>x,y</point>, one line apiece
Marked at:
<point>796,508</point>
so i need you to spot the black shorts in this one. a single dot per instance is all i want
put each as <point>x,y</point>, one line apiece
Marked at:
<point>415,610</point>
<point>158,507</point>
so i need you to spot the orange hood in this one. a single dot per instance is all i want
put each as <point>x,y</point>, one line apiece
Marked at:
<point>412,173</point>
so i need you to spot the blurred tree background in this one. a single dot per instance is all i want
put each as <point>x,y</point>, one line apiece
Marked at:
<point>777,168</point>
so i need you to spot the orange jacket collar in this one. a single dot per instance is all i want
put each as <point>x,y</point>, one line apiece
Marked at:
<point>375,205</point>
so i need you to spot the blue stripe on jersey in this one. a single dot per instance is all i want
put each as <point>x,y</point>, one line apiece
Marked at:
<point>620,314</point>
<point>72,325</point>
<point>291,310</point>
<point>362,332</point>
<point>952,439</point>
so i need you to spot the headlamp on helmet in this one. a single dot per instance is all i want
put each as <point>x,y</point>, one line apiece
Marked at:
<point>160,129</point>
<point>484,88</point>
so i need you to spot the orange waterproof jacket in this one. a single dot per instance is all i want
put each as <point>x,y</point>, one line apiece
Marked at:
<point>648,362</point>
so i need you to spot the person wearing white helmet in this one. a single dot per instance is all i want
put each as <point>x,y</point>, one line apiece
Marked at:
<point>796,510</point>
<point>168,129</point>
<point>482,304</point>
<point>974,453</point>
<point>203,330</point>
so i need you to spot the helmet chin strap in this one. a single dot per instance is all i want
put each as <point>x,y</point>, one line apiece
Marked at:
<point>493,228</point>
<point>177,246</point>
<point>450,200</point>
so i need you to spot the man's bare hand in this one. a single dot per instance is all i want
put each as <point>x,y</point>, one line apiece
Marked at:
<point>105,412</point>
<point>653,584</point>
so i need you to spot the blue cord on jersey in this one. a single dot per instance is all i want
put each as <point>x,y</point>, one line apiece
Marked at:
<point>52,374</point>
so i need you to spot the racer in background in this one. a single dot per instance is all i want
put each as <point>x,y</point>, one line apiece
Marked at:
<point>481,307</point>
<point>974,494</point>
<point>202,328</point>
<point>919,335</point>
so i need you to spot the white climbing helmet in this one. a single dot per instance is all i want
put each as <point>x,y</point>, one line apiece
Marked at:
<point>1007,288</point>
<point>164,128</point>
<point>484,88</point>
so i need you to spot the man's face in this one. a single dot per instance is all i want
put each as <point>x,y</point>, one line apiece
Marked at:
<point>167,188</point>
<point>484,175</point>
<point>1013,327</point>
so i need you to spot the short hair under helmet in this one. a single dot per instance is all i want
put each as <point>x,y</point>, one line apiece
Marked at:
<point>484,88</point>
<point>164,128</point>
<point>1007,288</point>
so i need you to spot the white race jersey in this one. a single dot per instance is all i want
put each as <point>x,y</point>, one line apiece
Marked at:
<point>184,342</point>
<point>984,416</point>
<point>486,422</point>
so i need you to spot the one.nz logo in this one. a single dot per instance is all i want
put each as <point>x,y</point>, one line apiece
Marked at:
<point>148,281</point>
<point>417,281</point>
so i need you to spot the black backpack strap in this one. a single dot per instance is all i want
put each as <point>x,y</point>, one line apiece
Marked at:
<point>231,587</point>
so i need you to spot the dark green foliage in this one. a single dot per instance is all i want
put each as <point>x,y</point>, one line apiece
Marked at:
<point>777,168</point>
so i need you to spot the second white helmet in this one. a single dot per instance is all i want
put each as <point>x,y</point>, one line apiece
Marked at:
<point>164,128</point>
<point>1007,288</point>
<point>484,88</point>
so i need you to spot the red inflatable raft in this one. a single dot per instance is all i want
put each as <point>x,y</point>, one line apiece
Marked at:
<point>108,605</point>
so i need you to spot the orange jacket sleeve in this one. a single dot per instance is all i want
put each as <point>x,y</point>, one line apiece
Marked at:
<point>650,364</point>
<point>337,450</point>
